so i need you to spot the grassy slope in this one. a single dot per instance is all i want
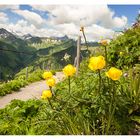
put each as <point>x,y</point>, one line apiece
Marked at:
<point>51,59</point>
<point>12,62</point>
<point>84,110</point>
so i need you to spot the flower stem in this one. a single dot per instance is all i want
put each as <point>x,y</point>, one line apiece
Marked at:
<point>65,103</point>
<point>49,99</point>
<point>50,103</point>
<point>51,89</point>
<point>106,55</point>
<point>112,106</point>
<point>99,80</point>
<point>69,84</point>
<point>99,89</point>
<point>106,60</point>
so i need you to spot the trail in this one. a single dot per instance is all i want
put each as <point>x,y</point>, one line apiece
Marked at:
<point>32,91</point>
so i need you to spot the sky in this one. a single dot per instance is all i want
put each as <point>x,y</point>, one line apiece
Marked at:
<point>100,21</point>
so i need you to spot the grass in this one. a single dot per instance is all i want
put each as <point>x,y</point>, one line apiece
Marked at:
<point>87,104</point>
<point>82,112</point>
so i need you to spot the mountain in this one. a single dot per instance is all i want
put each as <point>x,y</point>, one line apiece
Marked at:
<point>4,34</point>
<point>10,38</point>
<point>18,52</point>
<point>14,53</point>
<point>32,39</point>
<point>27,36</point>
<point>61,38</point>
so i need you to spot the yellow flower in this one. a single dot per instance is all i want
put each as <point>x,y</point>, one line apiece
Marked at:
<point>51,82</point>
<point>96,63</point>
<point>47,75</point>
<point>46,94</point>
<point>114,73</point>
<point>121,53</point>
<point>69,70</point>
<point>104,42</point>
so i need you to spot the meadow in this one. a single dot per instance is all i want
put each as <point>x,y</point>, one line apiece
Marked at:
<point>103,99</point>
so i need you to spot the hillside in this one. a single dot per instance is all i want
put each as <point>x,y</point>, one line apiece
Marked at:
<point>17,52</point>
<point>13,53</point>
<point>96,102</point>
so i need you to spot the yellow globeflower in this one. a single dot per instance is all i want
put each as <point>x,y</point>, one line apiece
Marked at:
<point>104,42</point>
<point>114,73</point>
<point>97,63</point>
<point>47,74</point>
<point>46,94</point>
<point>69,70</point>
<point>51,82</point>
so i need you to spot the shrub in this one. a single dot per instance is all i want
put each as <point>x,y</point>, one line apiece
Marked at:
<point>128,44</point>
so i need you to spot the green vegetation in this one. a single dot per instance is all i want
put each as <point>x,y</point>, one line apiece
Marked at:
<point>44,59</point>
<point>44,44</point>
<point>20,81</point>
<point>129,45</point>
<point>33,54</point>
<point>52,57</point>
<point>87,104</point>
<point>95,104</point>
<point>11,62</point>
<point>84,111</point>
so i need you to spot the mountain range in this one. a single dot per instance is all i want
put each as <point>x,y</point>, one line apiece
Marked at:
<point>17,52</point>
<point>4,34</point>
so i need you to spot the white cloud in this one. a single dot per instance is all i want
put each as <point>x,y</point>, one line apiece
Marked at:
<point>3,17</point>
<point>70,29</point>
<point>86,15</point>
<point>117,22</point>
<point>96,32</point>
<point>3,7</point>
<point>31,17</point>
<point>93,33</point>
<point>98,20</point>
<point>120,22</point>
<point>22,27</point>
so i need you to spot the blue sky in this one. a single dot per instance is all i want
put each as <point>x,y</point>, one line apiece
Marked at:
<point>130,11</point>
<point>58,20</point>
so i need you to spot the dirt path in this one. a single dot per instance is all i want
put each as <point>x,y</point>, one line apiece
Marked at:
<point>33,90</point>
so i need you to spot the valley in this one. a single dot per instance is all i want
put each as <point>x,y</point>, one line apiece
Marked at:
<point>17,53</point>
